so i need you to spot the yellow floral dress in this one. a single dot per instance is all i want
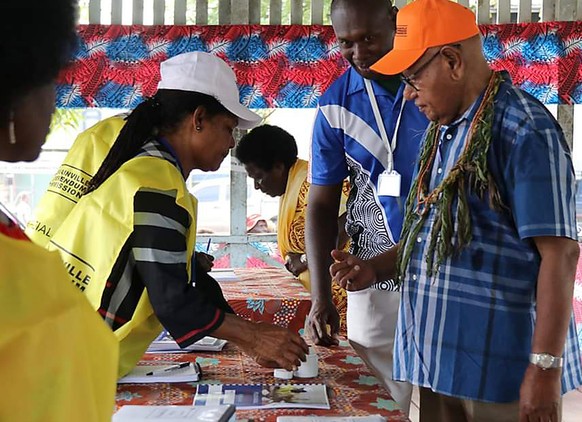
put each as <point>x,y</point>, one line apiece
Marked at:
<point>291,228</point>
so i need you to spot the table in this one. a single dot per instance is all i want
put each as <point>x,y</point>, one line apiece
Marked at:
<point>352,389</point>
<point>269,295</point>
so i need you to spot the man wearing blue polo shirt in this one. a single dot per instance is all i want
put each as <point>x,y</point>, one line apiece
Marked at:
<point>362,129</point>
<point>488,252</point>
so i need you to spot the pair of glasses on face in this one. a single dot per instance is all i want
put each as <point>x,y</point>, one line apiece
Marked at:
<point>408,79</point>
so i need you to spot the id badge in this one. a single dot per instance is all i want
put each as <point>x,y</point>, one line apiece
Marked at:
<point>389,184</point>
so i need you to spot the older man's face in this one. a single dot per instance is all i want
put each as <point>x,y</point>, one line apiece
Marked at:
<point>428,84</point>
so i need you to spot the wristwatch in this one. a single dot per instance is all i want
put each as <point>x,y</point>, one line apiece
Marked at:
<point>545,360</point>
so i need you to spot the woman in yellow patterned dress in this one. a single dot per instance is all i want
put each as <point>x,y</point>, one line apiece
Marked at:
<point>269,155</point>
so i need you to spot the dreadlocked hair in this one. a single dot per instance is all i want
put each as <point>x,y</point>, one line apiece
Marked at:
<point>469,175</point>
<point>160,114</point>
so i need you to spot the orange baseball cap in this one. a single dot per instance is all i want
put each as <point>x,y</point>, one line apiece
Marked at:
<point>423,24</point>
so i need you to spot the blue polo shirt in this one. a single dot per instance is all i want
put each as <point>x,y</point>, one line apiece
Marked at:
<point>467,330</point>
<point>346,142</point>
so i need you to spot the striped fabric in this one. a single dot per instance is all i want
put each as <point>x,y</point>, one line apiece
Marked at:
<point>467,331</point>
<point>154,258</point>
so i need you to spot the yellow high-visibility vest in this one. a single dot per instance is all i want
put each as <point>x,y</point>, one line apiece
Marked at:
<point>58,358</point>
<point>96,229</point>
<point>70,181</point>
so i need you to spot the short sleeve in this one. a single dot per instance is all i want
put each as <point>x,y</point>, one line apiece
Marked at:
<point>328,162</point>
<point>541,184</point>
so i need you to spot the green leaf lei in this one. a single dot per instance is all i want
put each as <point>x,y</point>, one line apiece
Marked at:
<point>469,173</point>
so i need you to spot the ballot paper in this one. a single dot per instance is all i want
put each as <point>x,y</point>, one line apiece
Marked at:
<point>132,413</point>
<point>164,343</point>
<point>163,372</point>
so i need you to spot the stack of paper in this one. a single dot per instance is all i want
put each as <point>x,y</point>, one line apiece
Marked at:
<point>164,343</point>
<point>169,372</point>
<point>174,413</point>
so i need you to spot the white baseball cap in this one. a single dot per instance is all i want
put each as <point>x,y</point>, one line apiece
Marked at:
<point>207,74</point>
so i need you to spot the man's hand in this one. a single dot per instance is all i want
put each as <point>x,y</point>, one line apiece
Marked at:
<point>275,347</point>
<point>351,272</point>
<point>539,395</point>
<point>540,390</point>
<point>204,261</point>
<point>322,315</point>
<point>294,264</point>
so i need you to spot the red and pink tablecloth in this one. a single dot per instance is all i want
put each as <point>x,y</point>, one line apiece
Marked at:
<point>352,389</point>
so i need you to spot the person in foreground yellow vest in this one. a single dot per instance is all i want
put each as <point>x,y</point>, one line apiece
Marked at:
<point>269,155</point>
<point>128,243</point>
<point>58,360</point>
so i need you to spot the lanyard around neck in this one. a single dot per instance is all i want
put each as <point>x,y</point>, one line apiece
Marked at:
<point>390,146</point>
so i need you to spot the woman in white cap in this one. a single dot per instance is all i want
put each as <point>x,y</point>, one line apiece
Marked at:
<point>129,241</point>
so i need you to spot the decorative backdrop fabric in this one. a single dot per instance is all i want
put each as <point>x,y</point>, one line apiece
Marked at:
<point>291,66</point>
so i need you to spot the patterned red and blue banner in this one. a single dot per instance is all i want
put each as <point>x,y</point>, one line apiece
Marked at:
<point>291,66</point>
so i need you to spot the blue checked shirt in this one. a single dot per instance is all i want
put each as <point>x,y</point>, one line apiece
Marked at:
<point>467,331</point>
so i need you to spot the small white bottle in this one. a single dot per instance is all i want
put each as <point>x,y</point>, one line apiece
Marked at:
<point>309,368</point>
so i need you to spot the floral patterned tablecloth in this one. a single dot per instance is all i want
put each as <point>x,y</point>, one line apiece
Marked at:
<point>352,389</point>
<point>270,295</point>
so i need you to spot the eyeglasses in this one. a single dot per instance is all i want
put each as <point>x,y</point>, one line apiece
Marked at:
<point>408,79</point>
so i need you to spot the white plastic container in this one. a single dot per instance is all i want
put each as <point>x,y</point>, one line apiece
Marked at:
<point>309,368</point>
<point>283,374</point>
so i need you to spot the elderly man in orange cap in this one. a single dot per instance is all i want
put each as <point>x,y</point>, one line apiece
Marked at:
<point>488,251</point>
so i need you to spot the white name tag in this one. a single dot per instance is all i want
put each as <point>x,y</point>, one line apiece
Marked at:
<point>389,184</point>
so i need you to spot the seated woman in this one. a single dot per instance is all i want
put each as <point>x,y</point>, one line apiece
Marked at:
<point>269,155</point>
<point>58,360</point>
<point>129,241</point>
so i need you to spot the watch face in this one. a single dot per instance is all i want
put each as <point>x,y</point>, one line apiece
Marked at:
<point>545,360</point>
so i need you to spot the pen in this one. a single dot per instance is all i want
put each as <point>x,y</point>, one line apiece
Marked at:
<point>208,245</point>
<point>169,368</point>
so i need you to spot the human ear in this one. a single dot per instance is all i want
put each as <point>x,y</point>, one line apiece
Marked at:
<point>453,59</point>
<point>198,118</point>
<point>277,170</point>
<point>393,13</point>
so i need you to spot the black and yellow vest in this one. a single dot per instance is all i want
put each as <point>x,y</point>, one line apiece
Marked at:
<point>92,236</point>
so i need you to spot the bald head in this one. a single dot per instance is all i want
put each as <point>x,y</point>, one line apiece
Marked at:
<point>472,50</point>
